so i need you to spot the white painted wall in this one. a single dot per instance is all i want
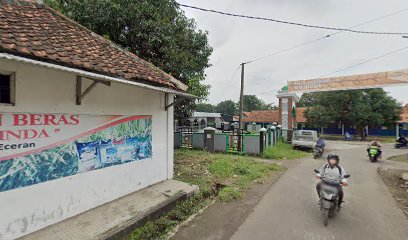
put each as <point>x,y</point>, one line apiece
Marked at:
<point>42,90</point>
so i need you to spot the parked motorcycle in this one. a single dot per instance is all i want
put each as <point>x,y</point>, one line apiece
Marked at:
<point>329,199</point>
<point>373,153</point>
<point>317,152</point>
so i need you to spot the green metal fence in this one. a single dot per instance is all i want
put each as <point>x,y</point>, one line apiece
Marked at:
<point>227,142</point>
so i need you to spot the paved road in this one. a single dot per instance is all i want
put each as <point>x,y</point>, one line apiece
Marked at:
<point>289,209</point>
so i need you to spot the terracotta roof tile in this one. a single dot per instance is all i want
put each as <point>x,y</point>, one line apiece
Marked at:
<point>404,115</point>
<point>300,115</point>
<point>262,116</point>
<point>38,32</point>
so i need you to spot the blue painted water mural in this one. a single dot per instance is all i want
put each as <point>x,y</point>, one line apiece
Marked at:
<point>123,143</point>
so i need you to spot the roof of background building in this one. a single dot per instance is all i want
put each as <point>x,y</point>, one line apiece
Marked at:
<point>404,115</point>
<point>300,115</point>
<point>265,116</point>
<point>206,114</point>
<point>36,31</point>
<point>244,114</point>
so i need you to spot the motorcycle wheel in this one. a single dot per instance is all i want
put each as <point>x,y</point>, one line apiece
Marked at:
<point>375,159</point>
<point>332,212</point>
<point>325,216</point>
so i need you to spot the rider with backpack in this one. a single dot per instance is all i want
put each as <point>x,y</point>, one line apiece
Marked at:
<point>332,174</point>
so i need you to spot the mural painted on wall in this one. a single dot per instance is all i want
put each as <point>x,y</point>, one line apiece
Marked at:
<point>36,148</point>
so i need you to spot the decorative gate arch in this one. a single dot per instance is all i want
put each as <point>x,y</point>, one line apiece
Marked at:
<point>288,98</point>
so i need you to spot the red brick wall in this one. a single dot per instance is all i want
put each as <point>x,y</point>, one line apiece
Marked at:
<point>280,111</point>
<point>290,101</point>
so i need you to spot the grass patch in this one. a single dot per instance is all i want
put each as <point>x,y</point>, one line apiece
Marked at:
<point>336,137</point>
<point>400,158</point>
<point>283,150</point>
<point>219,176</point>
<point>159,228</point>
<point>228,194</point>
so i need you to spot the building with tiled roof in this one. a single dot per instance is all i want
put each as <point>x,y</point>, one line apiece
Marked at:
<point>262,116</point>
<point>255,120</point>
<point>300,115</point>
<point>37,32</point>
<point>82,121</point>
<point>244,114</point>
<point>404,115</point>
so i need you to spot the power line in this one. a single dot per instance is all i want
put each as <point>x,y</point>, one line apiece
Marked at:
<point>288,49</point>
<point>330,35</point>
<point>364,62</point>
<point>262,93</point>
<point>293,23</point>
<point>324,37</point>
<point>303,44</point>
<point>354,65</point>
<point>229,82</point>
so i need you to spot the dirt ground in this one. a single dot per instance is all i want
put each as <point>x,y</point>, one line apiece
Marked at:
<point>397,186</point>
<point>400,158</point>
<point>224,219</point>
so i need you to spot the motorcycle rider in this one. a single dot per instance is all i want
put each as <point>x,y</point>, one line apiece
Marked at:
<point>332,174</point>
<point>377,144</point>
<point>320,143</point>
<point>402,140</point>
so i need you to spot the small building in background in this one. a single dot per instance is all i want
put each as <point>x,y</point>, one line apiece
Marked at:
<point>255,120</point>
<point>201,120</point>
<point>402,126</point>
<point>244,114</point>
<point>301,118</point>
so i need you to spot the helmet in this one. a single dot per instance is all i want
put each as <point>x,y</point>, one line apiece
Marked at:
<point>333,156</point>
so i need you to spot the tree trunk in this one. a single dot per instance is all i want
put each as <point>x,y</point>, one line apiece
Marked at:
<point>361,132</point>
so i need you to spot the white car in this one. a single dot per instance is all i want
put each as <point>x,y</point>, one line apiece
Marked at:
<point>304,139</point>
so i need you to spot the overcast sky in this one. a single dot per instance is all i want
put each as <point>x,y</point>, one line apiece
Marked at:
<point>236,40</point>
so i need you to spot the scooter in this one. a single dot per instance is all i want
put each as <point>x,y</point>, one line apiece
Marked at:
<point>373,153</point>
<point>329,199</point>
<point>317,152</point>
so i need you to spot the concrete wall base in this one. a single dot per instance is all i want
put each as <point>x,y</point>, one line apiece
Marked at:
<point>118,218</point>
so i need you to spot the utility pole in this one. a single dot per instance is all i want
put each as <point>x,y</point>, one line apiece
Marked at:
<point>241,106</point>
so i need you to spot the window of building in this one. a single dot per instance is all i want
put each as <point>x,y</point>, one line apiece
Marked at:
<point>6,89</point>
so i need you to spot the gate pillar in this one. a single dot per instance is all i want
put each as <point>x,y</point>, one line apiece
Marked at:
<point>287,112</point>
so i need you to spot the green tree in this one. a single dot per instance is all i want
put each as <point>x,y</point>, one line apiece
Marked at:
<point>155,30</point>
<point>253,103</point>
<point>359,108</point>
<point>270,106</point>
<point>307,100</point>
<point>205,107</point>
<point>227,107</point>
